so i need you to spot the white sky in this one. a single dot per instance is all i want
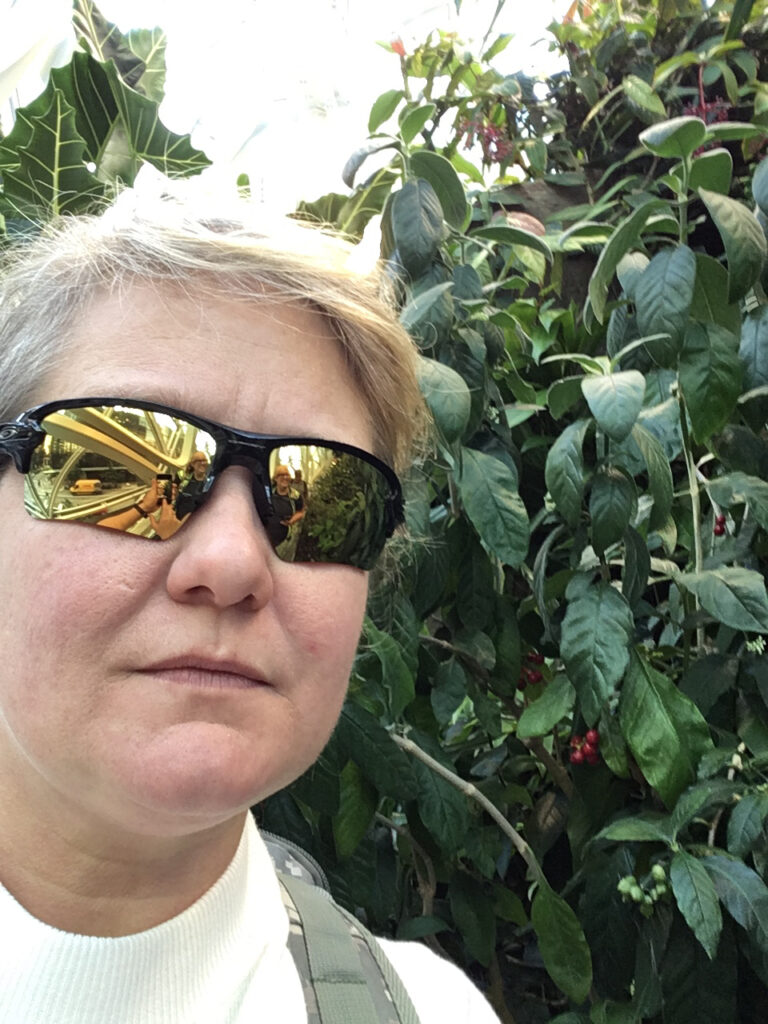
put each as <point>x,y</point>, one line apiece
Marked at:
<point>297,78</point>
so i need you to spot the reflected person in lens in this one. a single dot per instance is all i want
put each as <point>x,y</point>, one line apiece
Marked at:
<point>164,668</point>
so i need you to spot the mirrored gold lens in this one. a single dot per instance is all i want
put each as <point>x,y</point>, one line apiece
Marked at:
<point>96,464</point>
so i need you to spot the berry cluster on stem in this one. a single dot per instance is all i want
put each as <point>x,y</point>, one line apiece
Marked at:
<point>584,748</point>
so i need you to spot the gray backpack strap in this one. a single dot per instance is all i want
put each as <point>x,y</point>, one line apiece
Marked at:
<point>347,977</point>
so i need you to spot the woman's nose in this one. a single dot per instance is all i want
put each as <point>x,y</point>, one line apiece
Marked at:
<point>223,555</point>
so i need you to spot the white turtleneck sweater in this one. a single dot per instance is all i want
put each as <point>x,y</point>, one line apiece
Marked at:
<point>224,960</point>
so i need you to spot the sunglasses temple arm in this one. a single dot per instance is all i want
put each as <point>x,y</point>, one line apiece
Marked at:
<point>18,441</point>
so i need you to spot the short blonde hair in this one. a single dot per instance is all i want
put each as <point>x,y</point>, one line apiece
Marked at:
<point>178,239</point>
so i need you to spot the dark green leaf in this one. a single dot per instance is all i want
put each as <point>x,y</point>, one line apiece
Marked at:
<point>612,501</point>
<point>637,566</point>
<point>543,714</point>
<point>488,490</point>
<point>417,225</point>
<point>637,830</point>
<point>441,807</point>
<point>712,170</point>
<point>395,673</point>
<point>710,377</point>
<point>614,400</point>
<point>357,804</point>
<point>740,489</point>
<point>760,186</point>
<point>746,823</point>
<point>659,472</point>
<point>734,596</point>
<point>743,894</point>
<point>563,394</point>
<point>695,988</point>
<point>663,728</point>
<point>448,690</point>
<point>475,595</point>
<point>358,158</point>
<point>438,171</point>
<point>472,910</point>
<point>710,295</point>
<point>743,238</point>
<point>621,241</point>
<point>447,396</point>
<point>564,471</point>
<point>642,95</point>
<point>508,235</point>
<point>753,349</point>
<point>415,120</point>
<point>562,945</point>
<point>663,296</point>
<point>677,137</point>
<point>366,742</point>
<point>596,632</point>
<point>697,900</point>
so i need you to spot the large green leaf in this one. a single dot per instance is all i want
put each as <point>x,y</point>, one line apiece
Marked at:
<point>473,912</point>
<point>697,899</point>
<point>621,241</point>
<point>710,377</point>
<point>43,160</point>
<point>149,45</point>
<point>612,501</point>
<point>740,489</point>
<point>439,172</point>
<point>753,349</point>
<point>507,235</point>
<point>695,988</point>
<point>384,107</point>
<point>596,632</point>
<point>732,595</point>
<point>615,399</point>
<point>441,807</point>
<point>637,566</point>
<point>643,97</point>
<point>413,121</point>
<point>710,295</point>
<point>636,829</point>
<point>663,296</point>
<point>543,714</point>
<point>659,472</point>
<point>564,471</point>
<point>743,238</point>
<point>663,728</point>
<point>712,170</point>
<point>562,945</point>
<point>447,396</point>
<point>677,137</point>
<point>475,596</point>
<point>368,744</point>
<point>417,225</point>
<point>743,894</point>
<point>357,805</point>
<point>488,490</point>
<point>746,823</point>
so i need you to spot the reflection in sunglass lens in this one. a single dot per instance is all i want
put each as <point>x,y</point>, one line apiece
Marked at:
<point>96,462</point>
<point>331,506</point>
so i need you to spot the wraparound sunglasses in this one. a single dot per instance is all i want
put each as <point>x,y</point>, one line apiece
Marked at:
<point>115,461</point>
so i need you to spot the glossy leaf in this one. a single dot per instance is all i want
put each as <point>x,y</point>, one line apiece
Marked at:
<point>615,399</point>
<point>642,95</point>
<point>488,490</point>
<point>732,595</point>
<point>368,743</point>
<point>659,472</point>
<point>740,489</point>
<point>753,349</point>
<point>663,296</point>
<point>743,894</point>
<point>677,137</point>
<point>710,377</point>
<point>596,632</point>
<point>710,295</point>
<point>636,830</point>
<point>746,823</point>
<point>417,225</point>
<point>663,728</point>
<point>396,676</point>
<point>447,395</point>
<point>414,121</point>
<point>438,171</point>
<point>743,238</point>
<point>507,235</point>
<point>712,170</point>
<point>611,504</point>
<point>697,899</point>
<point>542,715</point>
<point>621,241</point>
<point>564,471</point>
<point>441,807</point>
<point>637,566</point>
<point>472,910</point>
<point>357,804</point>
<point>384,107</point>
<point>562,945</point>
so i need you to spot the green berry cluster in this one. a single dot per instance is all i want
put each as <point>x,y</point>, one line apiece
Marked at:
<point>645,895</point>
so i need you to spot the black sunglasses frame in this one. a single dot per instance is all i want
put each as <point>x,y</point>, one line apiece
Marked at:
<point>20,438</point>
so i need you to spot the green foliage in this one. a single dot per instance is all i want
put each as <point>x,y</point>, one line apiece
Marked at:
<point>552,762</point>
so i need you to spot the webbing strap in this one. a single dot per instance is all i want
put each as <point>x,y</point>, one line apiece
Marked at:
<point>336,973</point>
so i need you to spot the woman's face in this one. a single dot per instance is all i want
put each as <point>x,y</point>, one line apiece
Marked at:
<point>164,686</point>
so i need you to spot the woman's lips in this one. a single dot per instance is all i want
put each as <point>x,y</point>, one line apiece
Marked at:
<point>208,674</point>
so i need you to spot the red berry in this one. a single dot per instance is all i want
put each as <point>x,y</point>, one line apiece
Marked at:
<point>720,520</point>
<point>534,676</point>
<point>535,657</point>
<point>592,737</point>
<point>522,682</point>
<point>588,750</point>
<point>592,757</point>
<point>577,757</point>
<point>719,529</point>
<point>576,741</point>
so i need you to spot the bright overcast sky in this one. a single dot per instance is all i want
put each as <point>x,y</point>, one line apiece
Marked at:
<point>295,78</point>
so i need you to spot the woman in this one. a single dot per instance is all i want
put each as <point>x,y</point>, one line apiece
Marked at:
<point>150,693</point>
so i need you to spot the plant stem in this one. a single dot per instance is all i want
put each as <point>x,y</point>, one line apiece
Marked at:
<point>693,487</point>
<point>559,775</point>
<point>474,794</point>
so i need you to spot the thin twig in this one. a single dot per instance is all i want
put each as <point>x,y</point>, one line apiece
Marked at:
<point>471,791</point>
<point>560,776</point>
